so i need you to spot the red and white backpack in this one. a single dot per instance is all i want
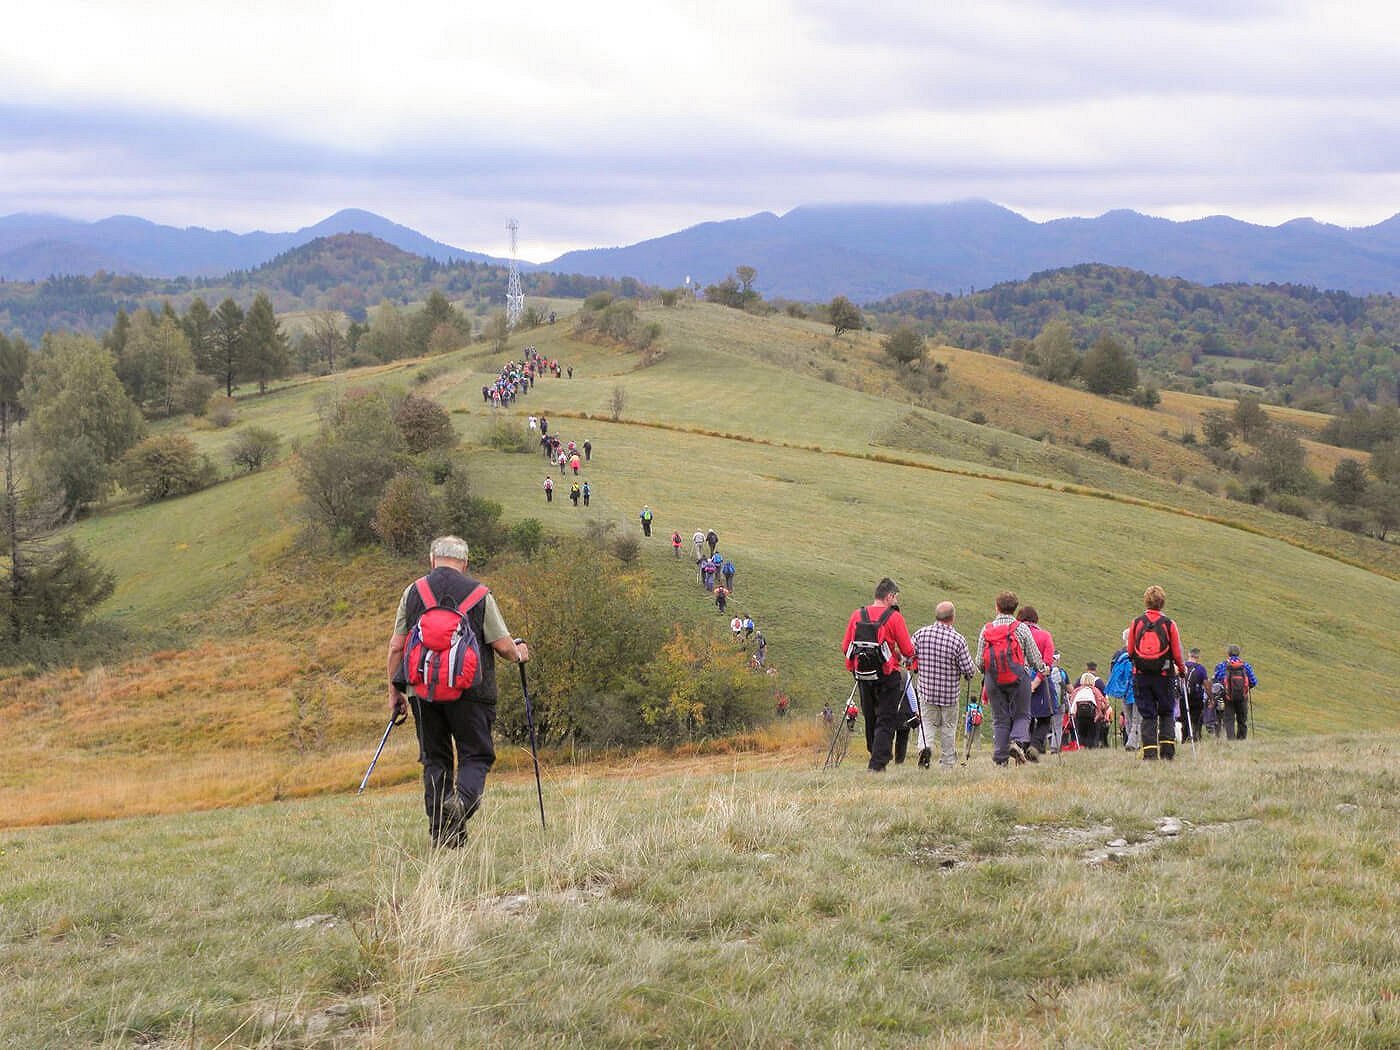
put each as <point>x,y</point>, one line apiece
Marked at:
<point>443,657</point>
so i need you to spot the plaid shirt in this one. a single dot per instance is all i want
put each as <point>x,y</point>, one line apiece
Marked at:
<point>943,662</point>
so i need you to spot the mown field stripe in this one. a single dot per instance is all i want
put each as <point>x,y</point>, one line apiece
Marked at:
<point>1050,486</point>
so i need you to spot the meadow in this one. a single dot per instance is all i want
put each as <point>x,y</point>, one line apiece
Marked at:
<point>753,900</point>
<point>184,863</point>
<point>225,696</point>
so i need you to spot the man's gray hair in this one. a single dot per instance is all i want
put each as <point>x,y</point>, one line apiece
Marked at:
<point>944,612</point>
<point>453,547</point>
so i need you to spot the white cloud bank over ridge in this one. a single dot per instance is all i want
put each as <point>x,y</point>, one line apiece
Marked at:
<point>606,123</point>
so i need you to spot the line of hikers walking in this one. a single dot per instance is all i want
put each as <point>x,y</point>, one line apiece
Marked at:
<point>1166,696</point>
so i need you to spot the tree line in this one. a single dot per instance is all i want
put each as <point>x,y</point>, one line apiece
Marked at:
<point>1293,345</point>
<point>347,273</point>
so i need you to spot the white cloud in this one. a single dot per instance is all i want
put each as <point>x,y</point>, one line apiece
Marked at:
<point>630,118</point>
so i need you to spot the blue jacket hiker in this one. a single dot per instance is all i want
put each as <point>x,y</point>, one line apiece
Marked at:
<point>1120,684</point>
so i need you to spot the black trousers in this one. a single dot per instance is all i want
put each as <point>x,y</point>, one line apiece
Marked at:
<point>463,727</point>
<point>1156,698</point>
<point>1040,729</point>
<point>879,703</point>
<point>1084,729</point>
<point>1197,708</point>
<point>1236,718</point>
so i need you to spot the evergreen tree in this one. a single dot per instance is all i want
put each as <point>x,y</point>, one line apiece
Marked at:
<point>266,353</point>
<point>227,337</point>
<point>198,324</point>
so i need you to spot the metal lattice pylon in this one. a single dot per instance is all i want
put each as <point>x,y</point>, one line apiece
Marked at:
<point>515,295</point>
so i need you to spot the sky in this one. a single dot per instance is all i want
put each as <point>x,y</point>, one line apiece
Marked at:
<point>604,124</point>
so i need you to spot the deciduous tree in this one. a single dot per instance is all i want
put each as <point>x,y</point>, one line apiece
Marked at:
<point>905,345</point>
<point>81,418</point>
<point>1108,368</point>
<point>1250,419</point>
<point>844,315</point>
<point>1054,348</point>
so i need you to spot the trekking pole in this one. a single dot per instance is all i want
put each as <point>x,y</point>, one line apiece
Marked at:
<point>836,752</point>
<point>969,726</point>
<point>394,720</point>
<point>534,754</point>
<point>1186,714</point>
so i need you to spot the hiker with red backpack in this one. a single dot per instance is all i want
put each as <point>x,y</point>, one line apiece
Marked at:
<point>876,642</point>
<point>1154,646</point>
<point>1237,679</point>
<point>1007,656</point>
<point>447,634</point>
<point>1043,699</point>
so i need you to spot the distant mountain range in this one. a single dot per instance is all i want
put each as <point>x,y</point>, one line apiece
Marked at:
<point>864,251</point>
<point>34,247</point>
<point>869,251</point>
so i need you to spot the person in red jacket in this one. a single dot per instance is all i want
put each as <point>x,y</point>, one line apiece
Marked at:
<point>1155,649</point>
<point>882,686</point>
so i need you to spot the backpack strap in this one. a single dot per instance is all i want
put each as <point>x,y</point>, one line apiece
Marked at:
<point>478,594</point>
<point>425,592</point>
<point>889,611</point>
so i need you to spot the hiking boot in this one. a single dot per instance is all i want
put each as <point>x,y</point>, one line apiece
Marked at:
<point>925,757</point>
<point>1149,752</point>
<point>1032,753</point>
<point>453,832</point>
<point>451,838</point>
<point>1014,750</point>
<point>1168,751</point>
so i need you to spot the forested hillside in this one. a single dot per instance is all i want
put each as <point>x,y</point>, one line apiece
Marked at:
<point>349,273</point>
<point>1296,345</point>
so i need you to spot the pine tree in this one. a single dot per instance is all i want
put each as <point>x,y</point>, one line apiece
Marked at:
<point>266,353</point>
<point>228,344</point>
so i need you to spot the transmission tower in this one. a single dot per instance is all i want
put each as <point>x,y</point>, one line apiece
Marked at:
<point>515,296</point>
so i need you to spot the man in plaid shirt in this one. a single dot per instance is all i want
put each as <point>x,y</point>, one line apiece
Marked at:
<point>944,662</point>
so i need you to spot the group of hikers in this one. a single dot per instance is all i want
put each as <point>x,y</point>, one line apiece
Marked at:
<point>516,378</point>
<point>448,633</point>
<point>716,574</point>
<point>1165,695</point>
<point>568,456</point>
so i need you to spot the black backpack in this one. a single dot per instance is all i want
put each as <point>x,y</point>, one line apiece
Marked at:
<point>866,651</point>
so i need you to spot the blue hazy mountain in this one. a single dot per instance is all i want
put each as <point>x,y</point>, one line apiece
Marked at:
<point>864,251</point>
<point>867,251</point>
<point>33,247</point>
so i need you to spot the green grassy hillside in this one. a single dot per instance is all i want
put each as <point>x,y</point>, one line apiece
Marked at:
<point>748,905</point>
<point>747,425</point>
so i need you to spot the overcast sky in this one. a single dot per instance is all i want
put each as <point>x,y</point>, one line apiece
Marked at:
<point>606,123</point>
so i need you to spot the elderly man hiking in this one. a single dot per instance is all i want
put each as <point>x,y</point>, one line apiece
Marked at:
<point>875,640</point>
<point>943,662</point>
<point>447,634</point>
<point>1006,656</point>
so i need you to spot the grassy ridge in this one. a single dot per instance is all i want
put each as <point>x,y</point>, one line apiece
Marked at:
<point>247,703</point>
<point>742,906</point>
